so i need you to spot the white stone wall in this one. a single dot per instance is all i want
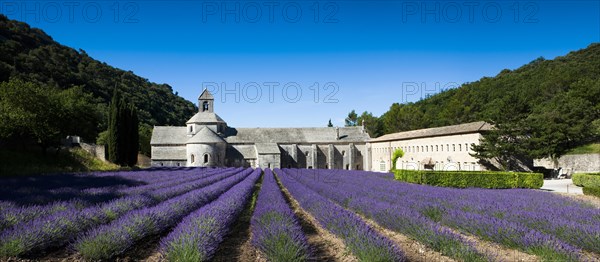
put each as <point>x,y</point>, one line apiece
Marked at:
<point>215,152</point>
<point>447,153</point>
<point>269,161</point>
<point>583,163</point>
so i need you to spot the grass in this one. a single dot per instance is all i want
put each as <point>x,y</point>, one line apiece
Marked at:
<point>593,148</point>
<point>28,162</point>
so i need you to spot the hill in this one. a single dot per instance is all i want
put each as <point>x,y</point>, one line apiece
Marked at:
<point>31,55</point>
<point>548,106</point>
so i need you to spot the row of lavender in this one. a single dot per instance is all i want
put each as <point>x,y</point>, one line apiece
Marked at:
<point>113,239</point>
<point>536,222</point>
<point>92,187</point>
<point>12,215</point>
<point>48,231</point>
<point>361,239</point>
<point>198,235</point>
<point>275,229</point>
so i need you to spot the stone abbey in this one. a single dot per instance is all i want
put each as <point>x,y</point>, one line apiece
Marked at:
<point>207,140</point>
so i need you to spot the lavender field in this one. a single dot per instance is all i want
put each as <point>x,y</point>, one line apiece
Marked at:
<point>192,214</point>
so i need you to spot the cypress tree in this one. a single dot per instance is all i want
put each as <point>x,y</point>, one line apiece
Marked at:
<point>123,135</point>
<point>113,142</point>
<point>134,135</point>
<point>123,132</point>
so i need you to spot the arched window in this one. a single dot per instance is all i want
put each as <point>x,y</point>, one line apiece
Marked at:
<point>193,158</point>
<point>205,158</point>
<point>459,147</point>
<point>343,153</point>
<point>191,129</point>
<point>205,106</point>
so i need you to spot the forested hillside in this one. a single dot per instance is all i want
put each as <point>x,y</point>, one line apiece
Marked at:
<point>547,106</point>
<point>31,55</point>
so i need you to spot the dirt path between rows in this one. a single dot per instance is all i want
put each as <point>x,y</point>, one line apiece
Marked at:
<point>237,245</point>
<point>414,251</point>
<point>325,246</point>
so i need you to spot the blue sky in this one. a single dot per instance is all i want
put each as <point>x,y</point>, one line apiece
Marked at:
<point>301,63</point>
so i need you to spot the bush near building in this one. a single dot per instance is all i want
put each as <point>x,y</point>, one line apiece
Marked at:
<point>464,179</point>
<point>590,183</point>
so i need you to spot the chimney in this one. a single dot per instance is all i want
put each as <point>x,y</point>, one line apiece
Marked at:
<point>337,133</point>
<point>363,126</point>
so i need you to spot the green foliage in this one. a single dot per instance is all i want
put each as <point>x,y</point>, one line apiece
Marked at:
<point>399,153</point>
<point>593,148</point>
<point>31,55</point>
<point>464,179</point>
<point>352,119</point>
<point>123,132</point>
<point>45,114</point>
<point>373,124</point>
<point>592,191</point>
<point>145,136</point>
<point>587,180</point>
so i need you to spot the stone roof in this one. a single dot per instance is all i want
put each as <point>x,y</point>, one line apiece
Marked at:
<point>169,135</point>
<point>169,153</point>
<point>205,117</point>
<point>267,148</point>
<point>206,95</point>
<point>295,135</point>
<point>245,151</point>
<point>205,136</point>
<point>474,127</point>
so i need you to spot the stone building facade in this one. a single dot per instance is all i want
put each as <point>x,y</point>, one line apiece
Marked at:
<point>441,148</point>
<point>207,140</point>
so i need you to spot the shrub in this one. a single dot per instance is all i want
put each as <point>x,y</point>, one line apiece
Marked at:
<point>464,179</point>
<point>592,191</point>
<point>587,180</point>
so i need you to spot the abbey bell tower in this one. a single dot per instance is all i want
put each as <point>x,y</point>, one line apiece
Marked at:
<point>206,102</point>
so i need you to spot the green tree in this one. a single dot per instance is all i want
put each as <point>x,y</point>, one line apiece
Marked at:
<point>373,124</point>
<point>145,136</point>
<point>123,132</point>
<point>45,114</point>
<point>398,153</point>
<point>114,129</point>
<point>351,119</point>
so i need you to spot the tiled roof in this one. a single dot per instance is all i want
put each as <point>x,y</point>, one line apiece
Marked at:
<point>474,127</point>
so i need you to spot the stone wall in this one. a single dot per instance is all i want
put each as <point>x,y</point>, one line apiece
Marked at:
<point>96,150</point>
<point>584,163</point>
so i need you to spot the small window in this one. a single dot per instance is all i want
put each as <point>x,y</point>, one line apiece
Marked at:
<point>453,148</point>
<point>192,158</point>
<point>343,153</point>
<point>459,147</point>
<point>191,129</point>
<point>436,148</point>
<point>205,158</point>
<point>205,106</point>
